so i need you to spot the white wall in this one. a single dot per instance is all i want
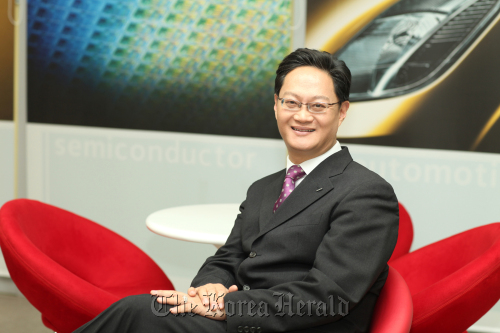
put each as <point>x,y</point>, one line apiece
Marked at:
<point>445,192</point>
<point>118,177</point>
<point>6,172</point>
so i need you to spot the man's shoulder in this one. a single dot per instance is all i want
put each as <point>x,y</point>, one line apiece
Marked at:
<point>342,164</point>
<point>359,176</point>
<point>358,170</point>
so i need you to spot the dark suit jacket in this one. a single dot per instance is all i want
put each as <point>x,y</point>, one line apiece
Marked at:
<point>328,242</point>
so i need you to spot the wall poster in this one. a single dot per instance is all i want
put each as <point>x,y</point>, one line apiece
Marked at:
<point>170,65</point>
<point>425,72</point>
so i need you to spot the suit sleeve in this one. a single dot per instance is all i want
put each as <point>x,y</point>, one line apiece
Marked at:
<point>222,267</point>
<point>353,253</point>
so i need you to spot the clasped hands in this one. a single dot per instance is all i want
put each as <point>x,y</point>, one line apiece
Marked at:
<point>207,300</point>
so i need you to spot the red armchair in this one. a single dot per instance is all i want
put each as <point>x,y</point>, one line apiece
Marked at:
<point>69,267</point>
<point>453,282</point>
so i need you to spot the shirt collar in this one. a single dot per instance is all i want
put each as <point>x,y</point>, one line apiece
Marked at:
<point>309,165</point>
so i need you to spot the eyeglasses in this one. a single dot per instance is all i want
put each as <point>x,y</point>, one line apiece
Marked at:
<point>315,107</point>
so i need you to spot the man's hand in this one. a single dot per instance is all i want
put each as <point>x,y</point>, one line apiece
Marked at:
<point>212,295</point>
<point>186,304</point>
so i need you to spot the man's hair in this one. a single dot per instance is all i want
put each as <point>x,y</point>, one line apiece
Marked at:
<point>340,74</point>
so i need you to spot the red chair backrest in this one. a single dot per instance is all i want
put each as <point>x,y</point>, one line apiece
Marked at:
<point>394,309</point>
<point>405,234</point>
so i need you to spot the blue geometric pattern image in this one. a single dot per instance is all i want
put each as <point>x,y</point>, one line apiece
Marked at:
<point>185,66</point>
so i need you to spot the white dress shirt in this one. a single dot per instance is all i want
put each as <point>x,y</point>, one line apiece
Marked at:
<point>309,165</point>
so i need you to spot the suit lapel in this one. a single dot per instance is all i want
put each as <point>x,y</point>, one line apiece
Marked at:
<point>312,188</point>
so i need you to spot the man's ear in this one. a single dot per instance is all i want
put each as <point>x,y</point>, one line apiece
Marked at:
<point>276,106</point>
<point>343,111</point>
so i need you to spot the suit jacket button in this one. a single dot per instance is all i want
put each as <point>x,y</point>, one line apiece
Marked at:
<point>246,287</point>
<point>252,329</point>
<point>258,329</point>
<point>246,329</point>
<point>252,254</point>
<point>240,328</point>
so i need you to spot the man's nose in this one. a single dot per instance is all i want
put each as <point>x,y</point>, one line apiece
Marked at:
<point>303,115</point>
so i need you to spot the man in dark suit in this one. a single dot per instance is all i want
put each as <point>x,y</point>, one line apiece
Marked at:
<point>309,249</point>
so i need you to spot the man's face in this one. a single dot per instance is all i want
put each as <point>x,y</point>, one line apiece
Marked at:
<point>308,135</point>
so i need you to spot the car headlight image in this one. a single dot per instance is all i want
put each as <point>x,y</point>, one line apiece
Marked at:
<point>423,75</point>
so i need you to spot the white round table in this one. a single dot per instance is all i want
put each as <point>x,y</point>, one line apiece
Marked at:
<point>210,224</point>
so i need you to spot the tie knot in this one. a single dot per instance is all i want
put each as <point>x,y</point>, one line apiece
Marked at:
<point>295,172</point>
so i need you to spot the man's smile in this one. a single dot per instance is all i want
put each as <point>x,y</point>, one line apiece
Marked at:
<point>302,129</point>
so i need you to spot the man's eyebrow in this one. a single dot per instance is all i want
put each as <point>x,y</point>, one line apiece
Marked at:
<point>321,97</point>
<point>298,97</point>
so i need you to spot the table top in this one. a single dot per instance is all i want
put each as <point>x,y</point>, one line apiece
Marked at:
<point>210,224</point>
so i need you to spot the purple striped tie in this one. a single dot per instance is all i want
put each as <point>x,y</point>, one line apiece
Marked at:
<point>294,173</point>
